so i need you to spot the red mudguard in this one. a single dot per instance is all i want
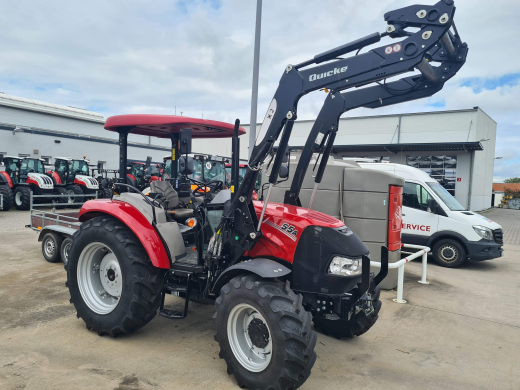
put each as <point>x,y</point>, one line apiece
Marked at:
<point>135,221</point>
<point>7,178</point>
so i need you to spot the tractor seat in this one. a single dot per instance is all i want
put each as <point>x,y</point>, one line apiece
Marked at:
<point>172,197</point>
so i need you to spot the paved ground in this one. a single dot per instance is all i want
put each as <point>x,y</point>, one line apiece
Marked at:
<point>509,220</point>
<point>460,332</point>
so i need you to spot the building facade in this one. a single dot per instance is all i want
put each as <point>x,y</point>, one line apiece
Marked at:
<point>457,148</point>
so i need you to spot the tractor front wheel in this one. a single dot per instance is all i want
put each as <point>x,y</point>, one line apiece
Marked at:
<point>59,200</point>
<point>264,333</point>
<point>72,191</point>
<point>22,198</point>
<point>7,198</point>
<point>112,282</point>
<point>358,324</point>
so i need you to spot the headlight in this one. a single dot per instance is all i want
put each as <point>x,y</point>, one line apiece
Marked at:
<point>345,267</point>
<point>484,232</point>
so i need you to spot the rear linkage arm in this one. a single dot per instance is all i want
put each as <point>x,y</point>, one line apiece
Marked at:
<point>355,71</point>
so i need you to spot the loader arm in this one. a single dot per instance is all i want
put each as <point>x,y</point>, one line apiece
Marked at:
<point>375,65</point>
<point>321,136</point>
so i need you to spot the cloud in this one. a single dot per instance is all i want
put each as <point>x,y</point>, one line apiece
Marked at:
<point>124,56</point>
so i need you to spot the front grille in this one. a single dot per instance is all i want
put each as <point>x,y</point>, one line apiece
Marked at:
<point>498,235</point>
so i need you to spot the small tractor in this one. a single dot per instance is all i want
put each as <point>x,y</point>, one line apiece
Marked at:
<point>23,175</point>
<point>140,174</point>
<point>272,268</point>
<point>73,177</point>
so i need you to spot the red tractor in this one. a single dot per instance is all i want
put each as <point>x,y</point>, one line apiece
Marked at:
<point>141,174</point>
<point>23,175</point>
<point>272,268</point>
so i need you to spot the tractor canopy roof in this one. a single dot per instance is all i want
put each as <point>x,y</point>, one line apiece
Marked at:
<point>162,125</point>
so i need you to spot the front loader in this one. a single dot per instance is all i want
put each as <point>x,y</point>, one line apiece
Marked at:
<point>272,268</point>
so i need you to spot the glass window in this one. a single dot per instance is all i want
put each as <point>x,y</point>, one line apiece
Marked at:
<point>440,168</point>
<point>415,196</point>
<point>61,166</point>
<point>31,166</point>
<point>79,167</point>
<point>445,196</point>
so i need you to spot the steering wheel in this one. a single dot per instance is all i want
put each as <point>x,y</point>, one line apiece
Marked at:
<point>213,185</point>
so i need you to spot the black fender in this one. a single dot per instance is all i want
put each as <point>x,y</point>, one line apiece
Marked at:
<point>265,268</point>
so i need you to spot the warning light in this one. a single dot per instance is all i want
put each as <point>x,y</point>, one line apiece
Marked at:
<point>237,238</point>
<point>191,222</point>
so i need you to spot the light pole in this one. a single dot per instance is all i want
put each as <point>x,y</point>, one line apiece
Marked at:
<point>256,70</point>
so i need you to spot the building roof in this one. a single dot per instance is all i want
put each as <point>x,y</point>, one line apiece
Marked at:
<point>49,108</point>
<point>501,187</point>
<point>395,148</point>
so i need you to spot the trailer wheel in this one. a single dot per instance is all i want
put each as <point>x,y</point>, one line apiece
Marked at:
<point>449,253</point>
<point>22,198</point>
<point>112,282</point>
<point>73,190</point>
<point>64,251</point>
<point>264,333</point>
<point>51,246</point>
<point>358,324</point>
<point>8,199</point>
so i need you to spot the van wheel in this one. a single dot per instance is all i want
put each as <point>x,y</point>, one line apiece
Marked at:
<point>449,253</point>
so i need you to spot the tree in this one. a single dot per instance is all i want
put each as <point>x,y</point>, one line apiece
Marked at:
<point>512,180</point>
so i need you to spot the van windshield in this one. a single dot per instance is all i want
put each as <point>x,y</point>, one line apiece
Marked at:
<point>445,196</point>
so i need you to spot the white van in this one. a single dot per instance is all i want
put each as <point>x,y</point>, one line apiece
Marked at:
<point>433,217</point>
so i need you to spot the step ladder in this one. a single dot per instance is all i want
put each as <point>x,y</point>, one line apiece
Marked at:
<point>176,289</point>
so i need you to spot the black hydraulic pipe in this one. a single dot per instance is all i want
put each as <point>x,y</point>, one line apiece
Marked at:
<point>235,158</point>
<point>347,48</point>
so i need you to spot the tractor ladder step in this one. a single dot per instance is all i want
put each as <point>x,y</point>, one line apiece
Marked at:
<point>176,289</point>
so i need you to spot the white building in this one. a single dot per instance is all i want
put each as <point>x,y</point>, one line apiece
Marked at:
<point>457,147</point>
<point>44,130</point>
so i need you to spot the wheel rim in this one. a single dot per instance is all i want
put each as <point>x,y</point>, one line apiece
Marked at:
<point>448,253</point>
<point>70,199</point>
<point>49,247</point>
<point>249,337</point>
<point>18,198</point>
<point>100,280</point>
<point>65,256</point>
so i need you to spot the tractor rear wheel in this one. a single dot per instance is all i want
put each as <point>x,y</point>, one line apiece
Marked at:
<point>107,194</point>
<point>51,247</point>
<point>112,282</point>
<point>73,190</point>
<point>7,198</point>
<point>64,251</point>
<point>264,333</point>
<point>358,324</point>
<point>22,198</point>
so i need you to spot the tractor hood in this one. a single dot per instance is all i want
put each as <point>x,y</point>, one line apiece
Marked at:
<point>41,180</point>
<point>475,219</point>
<point>87,181</point>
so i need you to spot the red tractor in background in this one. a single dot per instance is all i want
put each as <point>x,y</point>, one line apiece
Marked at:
<point>141,174</point>
<point>72,177</point>
<point>23,175</point>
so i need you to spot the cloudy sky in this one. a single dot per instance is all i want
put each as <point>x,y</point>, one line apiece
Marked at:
<point>150,56</point>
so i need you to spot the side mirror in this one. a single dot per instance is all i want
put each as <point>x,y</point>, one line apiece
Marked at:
<point>186,166</point>
<point>185,141</point>
<point>433,206</point>
<point>284,171</point>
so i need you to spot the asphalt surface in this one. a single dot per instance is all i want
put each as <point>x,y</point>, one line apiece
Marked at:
<point>462,331</point>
